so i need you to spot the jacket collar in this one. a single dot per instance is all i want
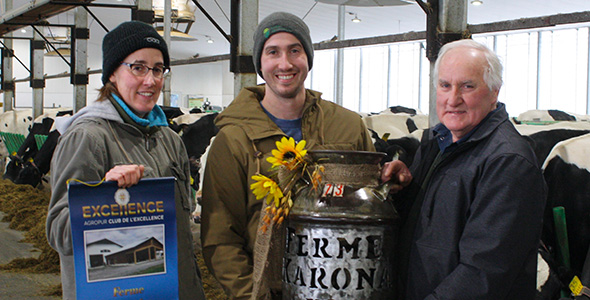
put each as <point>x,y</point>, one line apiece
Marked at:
<point>246,112</point>
<point>482,130</point>
<point>99,109</point>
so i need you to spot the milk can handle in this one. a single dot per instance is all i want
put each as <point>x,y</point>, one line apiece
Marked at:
<point>382,191</point>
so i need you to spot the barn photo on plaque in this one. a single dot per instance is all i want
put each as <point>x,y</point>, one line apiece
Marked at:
<point>125,252</point>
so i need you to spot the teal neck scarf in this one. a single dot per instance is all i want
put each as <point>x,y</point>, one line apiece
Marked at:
<point>156,117</point>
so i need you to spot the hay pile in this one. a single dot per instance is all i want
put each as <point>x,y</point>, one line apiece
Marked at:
<point>26,210</point>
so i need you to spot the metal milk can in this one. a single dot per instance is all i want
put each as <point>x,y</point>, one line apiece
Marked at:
<point>341,235</point>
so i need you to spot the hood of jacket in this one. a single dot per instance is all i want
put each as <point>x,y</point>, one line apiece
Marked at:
<point>98,109</point>
<point>246,112</point>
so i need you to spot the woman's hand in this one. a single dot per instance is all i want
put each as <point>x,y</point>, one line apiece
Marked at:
<point>397,172</point>
<point>125,175</point>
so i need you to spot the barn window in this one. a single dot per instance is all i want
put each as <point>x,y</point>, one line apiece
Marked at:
<point>543,69</point>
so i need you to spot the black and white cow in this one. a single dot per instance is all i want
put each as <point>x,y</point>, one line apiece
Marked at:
<point>402,109</point>
<point>172,113</point>
<point>552,277</point>
<point>183,121</point>
<point>196,136</point>
<point>528,129</point>
<point>567,173</point>
<point>30,163</point>
<point>403,148</point>
<point>394,126</point>
<point>543,142</point>
<point>33,170</point>
<point>16,121</point>
<point>549,115</point>
<point>27,151</point>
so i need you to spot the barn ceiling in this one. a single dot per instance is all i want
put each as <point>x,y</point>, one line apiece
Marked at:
<point>321,16</point>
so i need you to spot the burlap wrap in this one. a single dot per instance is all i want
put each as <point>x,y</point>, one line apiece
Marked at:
<point>354,175</point>
<point>270,245</point>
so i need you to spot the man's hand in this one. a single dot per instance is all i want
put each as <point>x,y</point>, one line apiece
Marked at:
<point>125,175</point>
<point>398,173</point>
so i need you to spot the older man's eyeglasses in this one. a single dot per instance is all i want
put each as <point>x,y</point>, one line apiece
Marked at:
<point>142,70</point>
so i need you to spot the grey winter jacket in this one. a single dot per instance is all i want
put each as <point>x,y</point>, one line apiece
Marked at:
<point>95,140</point>
<point>478,228</point>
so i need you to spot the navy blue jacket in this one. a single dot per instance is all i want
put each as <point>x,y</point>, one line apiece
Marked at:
<point>475,224</point>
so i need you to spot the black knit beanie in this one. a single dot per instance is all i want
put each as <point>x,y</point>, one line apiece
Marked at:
<point>125,39</point>
<point>281,22</point>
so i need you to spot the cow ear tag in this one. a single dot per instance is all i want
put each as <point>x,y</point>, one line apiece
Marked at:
<point>122,197</point>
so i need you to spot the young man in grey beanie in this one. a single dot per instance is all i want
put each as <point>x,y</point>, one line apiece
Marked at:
<point>249,129</point>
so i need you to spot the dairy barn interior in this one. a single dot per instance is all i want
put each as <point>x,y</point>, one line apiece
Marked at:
<point>382,57</point>
<point>370,55</point>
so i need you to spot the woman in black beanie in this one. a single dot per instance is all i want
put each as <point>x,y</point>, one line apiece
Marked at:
<point>123,136</point>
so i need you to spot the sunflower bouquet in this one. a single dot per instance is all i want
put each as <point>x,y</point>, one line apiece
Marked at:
<point>290,167</point>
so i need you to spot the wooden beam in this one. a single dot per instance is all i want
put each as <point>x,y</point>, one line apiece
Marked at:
<point>531,23</point>
<point>33,14</point>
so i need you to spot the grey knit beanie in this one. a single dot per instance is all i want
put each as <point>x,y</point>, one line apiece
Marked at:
<point>125,39</point>
<point>281,22</point>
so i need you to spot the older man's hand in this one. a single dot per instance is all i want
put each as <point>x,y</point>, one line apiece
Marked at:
<point>125,175</point>
<point>397,172</point>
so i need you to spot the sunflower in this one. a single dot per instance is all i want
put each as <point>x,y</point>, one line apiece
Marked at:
<point>287,153</point>
<point>265,186</point>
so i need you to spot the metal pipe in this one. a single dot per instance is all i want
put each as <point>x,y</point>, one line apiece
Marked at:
<point>132,6</point>
<point>96,18</point>
<point>538,89</point>
<point>588,76</point>
<point>389,75</point>
<point>167,25</point>
<point>51,45</point>
<point>16,57</point>
<point>226,36</point>
<point>360,79</point>
<point>339,59</point>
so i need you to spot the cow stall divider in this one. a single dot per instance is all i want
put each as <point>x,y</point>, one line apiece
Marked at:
<point>13,141</point>
<point>39,140</point>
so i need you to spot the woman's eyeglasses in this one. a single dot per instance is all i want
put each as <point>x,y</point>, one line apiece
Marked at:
<point>142,70</point>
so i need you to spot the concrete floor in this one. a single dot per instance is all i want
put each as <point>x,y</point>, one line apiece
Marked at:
<point>21,285</point>
<point>32,286</point>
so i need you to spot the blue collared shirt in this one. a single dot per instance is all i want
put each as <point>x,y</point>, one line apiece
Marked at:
<point>291,128</point>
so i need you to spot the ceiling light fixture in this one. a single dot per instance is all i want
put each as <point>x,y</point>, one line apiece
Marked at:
<point>209,39</point>
<point>176,35</point>
<point>65,52</point>
<point>23,30</point>
<point>368,2</point>
<point>355,19</point>
<point>476,2</point>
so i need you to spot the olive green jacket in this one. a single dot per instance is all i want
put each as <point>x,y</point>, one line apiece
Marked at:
<point>230,211</point>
